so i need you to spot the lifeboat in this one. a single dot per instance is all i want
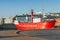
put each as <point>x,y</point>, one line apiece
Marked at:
<point>48,24</point>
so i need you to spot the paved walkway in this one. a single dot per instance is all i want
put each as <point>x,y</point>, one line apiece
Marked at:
<point>40,35</point>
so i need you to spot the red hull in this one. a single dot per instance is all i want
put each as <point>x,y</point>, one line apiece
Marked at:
<point>35,26</point>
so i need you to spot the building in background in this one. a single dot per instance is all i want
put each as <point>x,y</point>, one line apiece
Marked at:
<point>1,21</point>
<point>8,20</point>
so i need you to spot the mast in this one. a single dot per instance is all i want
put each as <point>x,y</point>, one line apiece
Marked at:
<point>31,15</point>
<point>42,13</point>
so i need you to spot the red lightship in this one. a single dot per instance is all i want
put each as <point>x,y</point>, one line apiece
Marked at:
<point>23,26</point>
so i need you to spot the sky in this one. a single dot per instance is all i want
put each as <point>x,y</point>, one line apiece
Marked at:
<point>9,8</point>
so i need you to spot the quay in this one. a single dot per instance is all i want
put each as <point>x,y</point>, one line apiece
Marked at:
<point>41,35</point>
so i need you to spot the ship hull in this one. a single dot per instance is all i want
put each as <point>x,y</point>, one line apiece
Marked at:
<point>35,26</point>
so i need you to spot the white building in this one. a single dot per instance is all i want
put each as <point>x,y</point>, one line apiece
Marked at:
<point>8,20</point>
<point>1,21</point>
